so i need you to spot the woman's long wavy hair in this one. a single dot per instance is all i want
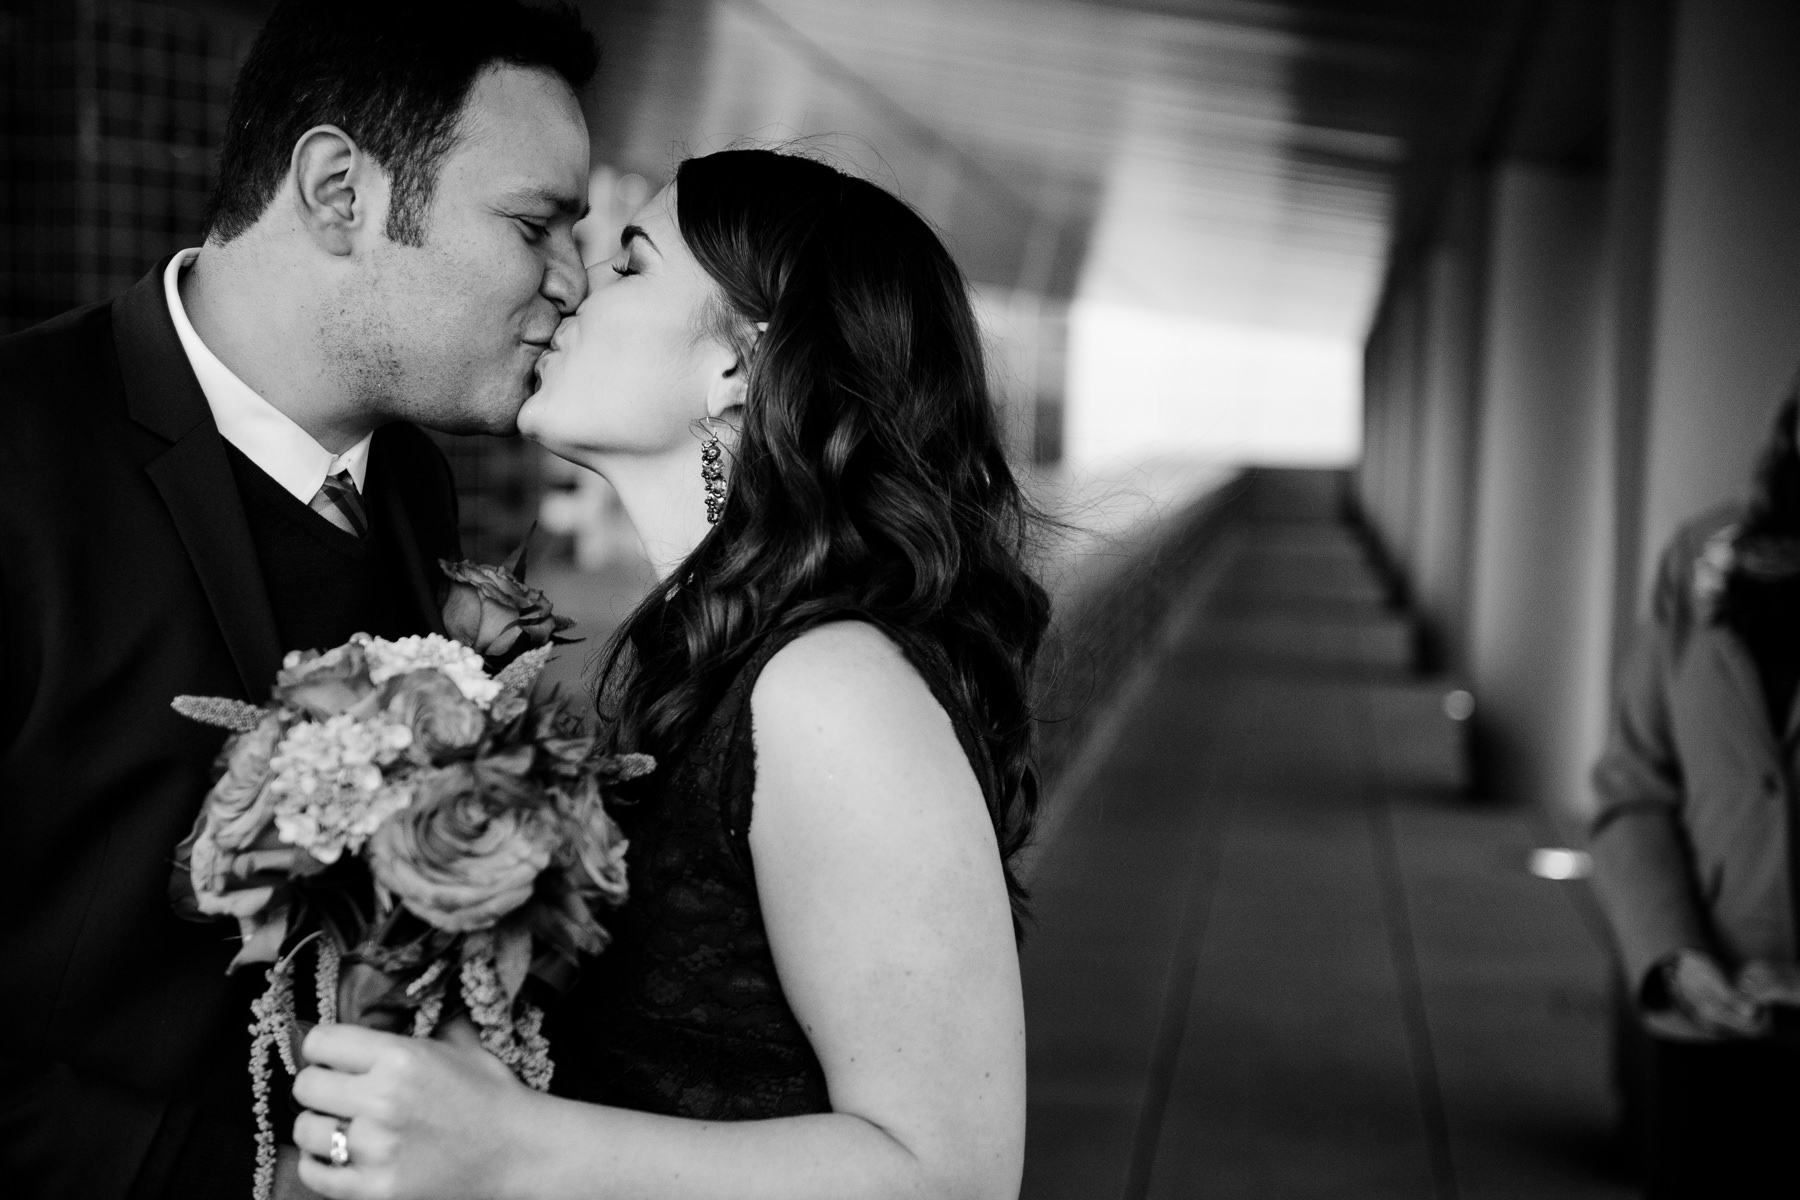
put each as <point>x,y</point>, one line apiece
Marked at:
<point>1773,511</point>
<point>867,478</point>
<point>1774,508</point>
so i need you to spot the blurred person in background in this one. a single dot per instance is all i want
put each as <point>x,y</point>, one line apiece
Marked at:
<point>814,987</point>
<point>216,467</point>
<point>1694,840</point>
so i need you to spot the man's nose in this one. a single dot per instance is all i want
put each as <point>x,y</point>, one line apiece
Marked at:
<point>565,280</point>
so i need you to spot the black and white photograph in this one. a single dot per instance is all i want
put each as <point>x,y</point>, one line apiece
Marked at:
<point>899,599</point>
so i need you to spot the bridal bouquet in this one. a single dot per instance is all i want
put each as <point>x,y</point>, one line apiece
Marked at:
<point>405,816</point>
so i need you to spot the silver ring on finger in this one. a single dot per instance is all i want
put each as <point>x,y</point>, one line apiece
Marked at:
<point>340,1144</point>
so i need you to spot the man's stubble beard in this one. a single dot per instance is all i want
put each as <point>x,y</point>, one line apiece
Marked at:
<point>396,371</point>
<point>364,351</point>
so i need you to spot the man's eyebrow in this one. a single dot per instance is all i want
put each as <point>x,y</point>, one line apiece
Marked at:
<point>632,233</point>
<point>562,202</point>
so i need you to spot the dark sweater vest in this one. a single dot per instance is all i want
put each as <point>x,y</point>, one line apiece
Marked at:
<point>324,584</point>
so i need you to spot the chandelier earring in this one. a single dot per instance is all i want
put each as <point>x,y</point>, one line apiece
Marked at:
<point>712,467</point>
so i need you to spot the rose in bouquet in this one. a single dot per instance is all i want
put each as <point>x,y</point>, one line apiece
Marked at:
<point>492,608</point>
<point>406,818</point>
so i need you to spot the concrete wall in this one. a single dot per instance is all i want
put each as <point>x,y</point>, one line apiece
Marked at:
<point>1576,359</point>
<point>1441,560</point>
<point>1639,85</point>
<point>1726,332</point>
<point>1386,487</point>
<point>1541,475</point>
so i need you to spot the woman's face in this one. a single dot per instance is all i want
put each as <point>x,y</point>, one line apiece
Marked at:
<point>630,372</point>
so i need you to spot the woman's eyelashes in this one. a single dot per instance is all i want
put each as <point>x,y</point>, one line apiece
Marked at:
<point>624,269</point>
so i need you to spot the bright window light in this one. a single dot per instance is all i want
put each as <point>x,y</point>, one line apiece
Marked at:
<point>1145,384</point>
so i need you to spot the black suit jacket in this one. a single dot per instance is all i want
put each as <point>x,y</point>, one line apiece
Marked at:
<point>128,576</point>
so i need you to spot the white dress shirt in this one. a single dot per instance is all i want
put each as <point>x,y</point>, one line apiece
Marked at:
<point>267,436</point>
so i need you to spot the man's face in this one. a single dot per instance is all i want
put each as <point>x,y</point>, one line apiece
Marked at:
<point>448,334</point>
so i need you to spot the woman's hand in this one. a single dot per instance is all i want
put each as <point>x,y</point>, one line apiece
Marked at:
<point>287,1174</point>
<point>1769,982</point>
<point>427,1119</point>
<point>1699,987</point>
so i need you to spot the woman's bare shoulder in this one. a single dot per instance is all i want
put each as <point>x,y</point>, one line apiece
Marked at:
<point>842,702</point>
<point>846,667</point>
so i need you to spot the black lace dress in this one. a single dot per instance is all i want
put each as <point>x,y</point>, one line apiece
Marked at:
<point>684,1013</point>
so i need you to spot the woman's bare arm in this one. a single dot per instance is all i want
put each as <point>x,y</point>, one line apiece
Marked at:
<point>888,917</point>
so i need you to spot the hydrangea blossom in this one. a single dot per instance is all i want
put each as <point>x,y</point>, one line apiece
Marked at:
<point>330,792</point>
<point>435,652</point>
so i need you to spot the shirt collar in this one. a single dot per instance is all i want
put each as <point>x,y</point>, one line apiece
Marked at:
<point>268,437</point>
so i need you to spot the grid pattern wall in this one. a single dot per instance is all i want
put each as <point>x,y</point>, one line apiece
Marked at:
<point>112,115</point>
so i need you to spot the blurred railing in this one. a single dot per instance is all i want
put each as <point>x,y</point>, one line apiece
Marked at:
<point>1130,547</point>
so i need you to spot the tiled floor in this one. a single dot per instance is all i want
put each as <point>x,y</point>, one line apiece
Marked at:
<point>1276,956</point>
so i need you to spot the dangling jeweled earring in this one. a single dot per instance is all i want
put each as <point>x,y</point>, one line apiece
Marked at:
<point>712,470</point>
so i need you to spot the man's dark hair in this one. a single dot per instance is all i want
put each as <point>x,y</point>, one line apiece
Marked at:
<point>394,75</point>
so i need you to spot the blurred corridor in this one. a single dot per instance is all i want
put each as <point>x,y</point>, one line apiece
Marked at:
<point>1369,351</point>
<point>1277,954</point>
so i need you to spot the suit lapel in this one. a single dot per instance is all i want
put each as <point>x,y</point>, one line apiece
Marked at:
<point>388,494</point>
<point>192,474</point>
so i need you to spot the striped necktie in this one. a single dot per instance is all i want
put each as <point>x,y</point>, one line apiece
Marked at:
<point>338,501</point>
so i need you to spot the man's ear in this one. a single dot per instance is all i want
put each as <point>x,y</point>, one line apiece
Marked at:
<point>339,193</point>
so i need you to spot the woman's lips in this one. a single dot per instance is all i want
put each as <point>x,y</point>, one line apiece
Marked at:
<point>537,369</point>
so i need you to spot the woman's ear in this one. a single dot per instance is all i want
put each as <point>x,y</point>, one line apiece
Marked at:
<point>729,388</point>
<point>731,378</point>
<point>338,192</point>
